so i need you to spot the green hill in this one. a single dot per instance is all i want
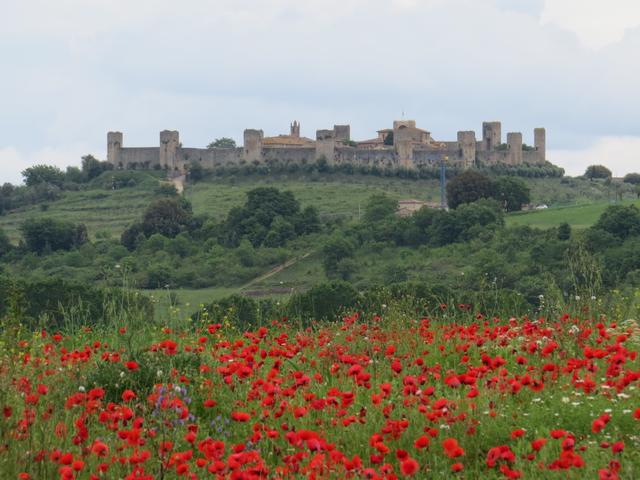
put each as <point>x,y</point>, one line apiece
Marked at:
<point>578,216</point>
<point>106,212</point>
<point>340,200</point>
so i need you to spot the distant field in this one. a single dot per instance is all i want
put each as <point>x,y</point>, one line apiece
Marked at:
<point>334,196</point>
<point>578,216</point>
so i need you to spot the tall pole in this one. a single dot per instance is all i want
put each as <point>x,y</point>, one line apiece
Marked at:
<point>443,179</point>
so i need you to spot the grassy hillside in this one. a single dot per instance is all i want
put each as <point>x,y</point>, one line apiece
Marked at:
<point>578,216</point>
<point>107,212</point>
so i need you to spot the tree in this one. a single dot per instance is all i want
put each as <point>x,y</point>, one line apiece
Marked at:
<point>564,231</point>
<point>166,216</point>
<point>74,175</point>
<point>5,244</point>
<point>224,142</point>
<point>324,301</point>
<point>335,250</point>
<point>92,167</point>
<point>44,234</point>
<point>39,174</point>
<point>254,219</point>
<point>468,187</point>
<point>637,191</point>
<point>632,178</point>
<point>307,221</point>
<point>388,139</point>
<point>132,237</point>
<point>620,221</point>
<point>512,193</point>
<point>279,233</point>
<point>597,171</point>
<point>195,172</point>
<point>379,207</point>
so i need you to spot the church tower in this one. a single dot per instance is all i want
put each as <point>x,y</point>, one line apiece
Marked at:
<point>295,129</point>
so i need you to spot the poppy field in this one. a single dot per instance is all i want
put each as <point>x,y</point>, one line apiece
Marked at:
<point>361,398</point>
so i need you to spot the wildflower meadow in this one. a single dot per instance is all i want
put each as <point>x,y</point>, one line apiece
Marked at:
<point>369,396</point>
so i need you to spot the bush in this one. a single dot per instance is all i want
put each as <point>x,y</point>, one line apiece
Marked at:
<point>45,234</point>
<point>468,187</point>
<point>620,221</point>
<point>511,192</point>
<point>323,302</point>
<point>39,174</point>
<point>56,300</point>
<point>632,178</point>
<point>597,171</point>
<point>5,244</point>
<point>166,216</point>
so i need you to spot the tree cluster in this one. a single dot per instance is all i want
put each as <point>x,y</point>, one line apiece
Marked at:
<point>470,186</point>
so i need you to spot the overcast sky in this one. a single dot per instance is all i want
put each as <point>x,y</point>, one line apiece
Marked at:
<point>74,69</point>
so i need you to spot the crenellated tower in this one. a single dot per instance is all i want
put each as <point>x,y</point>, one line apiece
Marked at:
<point>114,144</point>
<point>491,135</point>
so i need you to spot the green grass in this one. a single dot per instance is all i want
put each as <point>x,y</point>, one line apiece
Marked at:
<point>104,211</point>
<point>107,212</point>
<point>578,216</point>
<point>334,196</point>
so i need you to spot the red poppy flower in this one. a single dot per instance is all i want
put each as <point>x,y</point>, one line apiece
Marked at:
<point>409,467</point>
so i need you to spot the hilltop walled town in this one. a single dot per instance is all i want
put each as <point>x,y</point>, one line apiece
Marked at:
<point>404,146</point>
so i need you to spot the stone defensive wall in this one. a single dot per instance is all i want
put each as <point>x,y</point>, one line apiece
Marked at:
<point>404,146</point>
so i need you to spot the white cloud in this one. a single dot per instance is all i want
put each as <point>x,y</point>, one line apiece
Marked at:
<point>14,161</point>
<point>597,23</point>
<point>620,154</point>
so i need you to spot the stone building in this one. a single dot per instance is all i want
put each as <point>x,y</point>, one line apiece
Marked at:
<point>405,145</point>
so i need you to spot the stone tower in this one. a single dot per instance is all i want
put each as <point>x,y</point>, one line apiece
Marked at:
<point>326,145</point>
<point>169,144</point>
<point>467,148</point>
<point>253,145</point>
<point>514,140</point>
<point>403,143</point>
<point>114,144</point>
<point>342,133</point>
<point>540,142</point>
<point>491,135</point>
<point>295,129</point>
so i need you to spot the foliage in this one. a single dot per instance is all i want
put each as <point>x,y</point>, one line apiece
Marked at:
<point>5,244</point>
<point>223,142</point>
<point>47,234</point>
<point>632,178</point>
<point>269,217</point>
<point>39,174</point>
<point>597,171</point>
<point>334,251</point>
<point>468,187</point>
<point>323,302</point>
<point>564,231</point>
<point>52,302</point>
<point>166,216</point>
<point>379,207</point>
<point>511,192</point>
<point>388,139</point>
<point>620,221</point>
<point>93,168</point>
<point>195,172</point>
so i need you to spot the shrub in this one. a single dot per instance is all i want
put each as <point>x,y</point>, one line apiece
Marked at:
<point>45,234</point>
<point>324,301</point>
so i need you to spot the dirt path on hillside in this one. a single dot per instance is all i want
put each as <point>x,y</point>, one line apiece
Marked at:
<point>275,270</point>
